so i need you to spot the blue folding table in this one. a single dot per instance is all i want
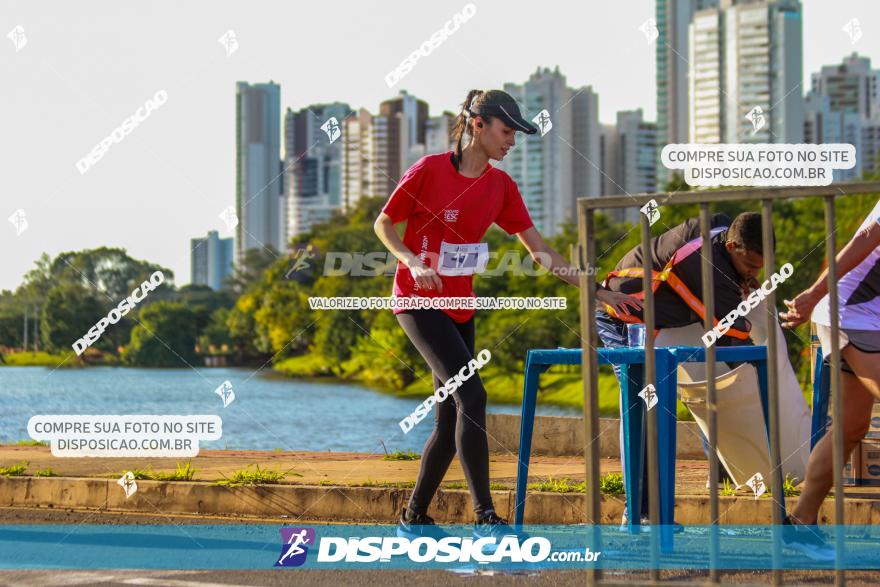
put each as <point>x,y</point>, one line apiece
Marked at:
<point>631,361</point>
<point>821,395</point>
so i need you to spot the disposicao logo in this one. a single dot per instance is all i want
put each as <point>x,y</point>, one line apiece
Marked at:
<point>295,546</point>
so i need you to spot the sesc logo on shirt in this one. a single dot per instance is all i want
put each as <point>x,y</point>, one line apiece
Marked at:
<point>450,215</point>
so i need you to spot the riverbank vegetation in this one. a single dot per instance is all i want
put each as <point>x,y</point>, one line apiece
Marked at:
<point>262,315</point>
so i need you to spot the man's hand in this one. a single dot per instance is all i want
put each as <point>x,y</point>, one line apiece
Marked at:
<point>799,309</point>
<point>619,301</point>
<point>749,285</point>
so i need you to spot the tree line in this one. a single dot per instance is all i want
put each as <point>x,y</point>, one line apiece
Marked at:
<point>262,313</point>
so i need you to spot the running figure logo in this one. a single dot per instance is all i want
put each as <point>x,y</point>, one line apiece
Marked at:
<point>229,42</point>
<point>331,127</point>
<point>652,211</point>
<point>18,38</point>
<point>229,216</point>
<point>225,392</point>
<point>294,549</point>
<point>649,394</point>
<point>19,221</point>
<point>543,121</point>
<point>854,29</point>
<point>650,30</point>
<point>300,259</point>
<point>756,117</point>
<point>756,482</point>
<point>128,484</point>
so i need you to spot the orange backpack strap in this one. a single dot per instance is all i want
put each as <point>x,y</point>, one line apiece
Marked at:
<point>697,306</point>
<point>677,285</point>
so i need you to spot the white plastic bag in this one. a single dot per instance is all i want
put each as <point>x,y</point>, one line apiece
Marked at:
<point>742,437</point>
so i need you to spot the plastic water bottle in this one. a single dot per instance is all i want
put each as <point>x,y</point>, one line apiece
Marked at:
<point>636,335</point>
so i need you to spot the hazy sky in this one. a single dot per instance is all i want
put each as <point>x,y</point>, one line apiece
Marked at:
<point>87,66</point>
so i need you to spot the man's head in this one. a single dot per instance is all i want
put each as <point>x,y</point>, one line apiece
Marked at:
<point>744,243</point>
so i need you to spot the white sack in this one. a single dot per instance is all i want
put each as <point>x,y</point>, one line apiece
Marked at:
<point>742,439</point>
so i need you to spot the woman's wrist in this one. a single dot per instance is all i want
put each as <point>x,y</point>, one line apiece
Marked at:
<point>412,261</point>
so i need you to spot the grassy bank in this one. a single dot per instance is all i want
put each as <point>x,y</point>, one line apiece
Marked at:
<point>559,386</point>
<point>59,360</point>
<point>37,360</point>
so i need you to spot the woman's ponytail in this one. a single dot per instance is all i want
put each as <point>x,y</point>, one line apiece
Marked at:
<point>461,124</point>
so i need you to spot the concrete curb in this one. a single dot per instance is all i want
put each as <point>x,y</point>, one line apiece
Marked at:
<point>365,504</point>
<point>564,436</point>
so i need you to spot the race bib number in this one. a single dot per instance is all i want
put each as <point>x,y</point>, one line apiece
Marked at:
<point>463,259</point>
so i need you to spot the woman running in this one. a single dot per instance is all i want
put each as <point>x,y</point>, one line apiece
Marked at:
<point>449,202</point>
<point>858,293</point>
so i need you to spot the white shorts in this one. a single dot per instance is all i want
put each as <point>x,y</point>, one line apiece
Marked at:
<point>867,341</point>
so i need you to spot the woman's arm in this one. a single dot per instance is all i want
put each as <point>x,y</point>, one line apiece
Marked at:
<point>544,255</point>
<point>852,254</point>
<point>424,276</point>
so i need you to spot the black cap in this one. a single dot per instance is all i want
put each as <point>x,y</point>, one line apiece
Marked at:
<point>502,105</point>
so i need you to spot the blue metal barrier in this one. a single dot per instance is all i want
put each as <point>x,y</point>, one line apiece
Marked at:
<point>631,362</point>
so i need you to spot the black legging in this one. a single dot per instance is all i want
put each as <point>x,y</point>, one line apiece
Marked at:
<point>460,420</point>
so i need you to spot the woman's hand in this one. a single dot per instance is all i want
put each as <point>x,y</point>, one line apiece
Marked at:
<point>424,276</point>
<point>799,309</point>
<point>619,301</point>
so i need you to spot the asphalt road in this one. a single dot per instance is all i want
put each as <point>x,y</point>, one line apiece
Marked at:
<point>386,578</point>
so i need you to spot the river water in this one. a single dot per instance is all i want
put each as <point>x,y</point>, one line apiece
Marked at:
<point>268,412</point>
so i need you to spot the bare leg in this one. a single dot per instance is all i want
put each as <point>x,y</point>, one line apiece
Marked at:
<point>859,393</point>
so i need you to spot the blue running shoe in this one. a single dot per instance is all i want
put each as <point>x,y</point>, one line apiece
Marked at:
<point>491,525</point>
<point>418,526</point>
<point>808,540</point>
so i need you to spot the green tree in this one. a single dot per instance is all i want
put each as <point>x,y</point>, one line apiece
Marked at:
<point>251,268</point>
<point>165,337</point>
<point>109,271</point>
<point>11,320</point>
<point>242,326</point>
<point>76,288</point>
<point>335,337</point>
<point>385,356</point>
<point>216,333</point>
<point>509,334</point>
<point>70,311</point>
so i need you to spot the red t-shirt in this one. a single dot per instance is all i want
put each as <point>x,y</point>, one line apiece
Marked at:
<point>440,204</point>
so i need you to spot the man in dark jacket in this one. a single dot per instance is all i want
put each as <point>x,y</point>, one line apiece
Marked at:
<point>737,258</point>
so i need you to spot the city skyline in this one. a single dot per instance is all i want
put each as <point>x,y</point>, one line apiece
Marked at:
<point>176,172</point>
